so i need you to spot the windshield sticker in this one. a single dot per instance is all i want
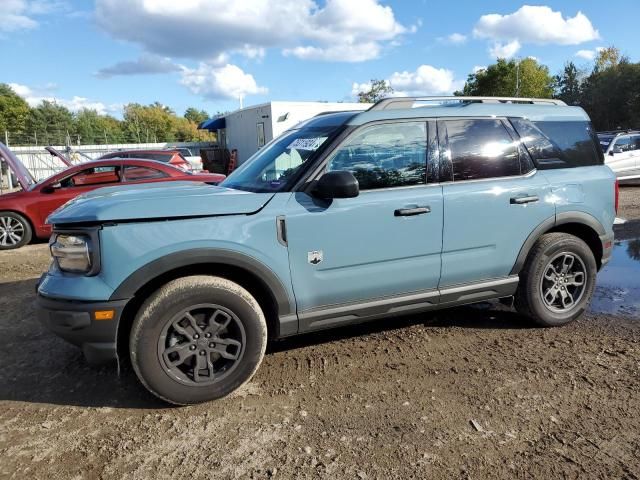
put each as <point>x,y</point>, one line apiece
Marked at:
<point>306,143</point>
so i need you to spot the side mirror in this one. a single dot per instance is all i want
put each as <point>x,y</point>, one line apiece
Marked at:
<point>50,188</point>
<point>338,184</point>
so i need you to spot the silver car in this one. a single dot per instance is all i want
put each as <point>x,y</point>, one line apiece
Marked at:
<point>622,152</point>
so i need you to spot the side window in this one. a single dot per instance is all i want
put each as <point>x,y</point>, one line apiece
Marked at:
<point>623,144</point>
<point>385,155</point>
<point>635,140</point>
<point>481,148</point>
<point>93,176</point>
<point>133,173</point>
<point>560,144</point>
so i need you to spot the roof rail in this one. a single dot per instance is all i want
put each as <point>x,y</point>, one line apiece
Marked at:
<point>407,102</point>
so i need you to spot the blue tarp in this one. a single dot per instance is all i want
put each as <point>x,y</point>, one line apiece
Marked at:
<point>213,124</point>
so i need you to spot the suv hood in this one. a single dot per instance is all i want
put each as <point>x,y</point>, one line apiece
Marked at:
<point>158,201</point>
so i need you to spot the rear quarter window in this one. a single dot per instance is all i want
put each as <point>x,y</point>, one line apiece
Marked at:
<point>565,144</point>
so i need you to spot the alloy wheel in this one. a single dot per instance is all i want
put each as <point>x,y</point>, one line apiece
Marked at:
<point>202,344</point>
<point>11,231</point>
<point>563,282</point>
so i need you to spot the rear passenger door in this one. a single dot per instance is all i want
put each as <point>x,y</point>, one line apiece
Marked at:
<point>493,199</point>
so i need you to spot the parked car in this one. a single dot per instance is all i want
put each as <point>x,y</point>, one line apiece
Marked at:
<point>194,159</point>
<point>348,217</point>
<point>172,157</point>
<point>622,152</point>
<point>23,214</point>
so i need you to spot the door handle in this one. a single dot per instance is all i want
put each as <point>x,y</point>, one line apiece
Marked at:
<point>409,212</point>
<point>524,199</point>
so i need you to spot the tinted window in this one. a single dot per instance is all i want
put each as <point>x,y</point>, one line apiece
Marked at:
<point>605,140</point>
<point>134,173</point>
<point>636,142</point>
<point>481,149</point>
<point>560,144</point>
<point>387,155</point>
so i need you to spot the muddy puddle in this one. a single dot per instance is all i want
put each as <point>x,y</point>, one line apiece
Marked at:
<point>618,285</point>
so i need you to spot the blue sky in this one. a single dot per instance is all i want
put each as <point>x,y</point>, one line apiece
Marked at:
<point>206,53</point>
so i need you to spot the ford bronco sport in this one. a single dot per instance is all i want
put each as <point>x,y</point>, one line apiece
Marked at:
<point>413,205</point>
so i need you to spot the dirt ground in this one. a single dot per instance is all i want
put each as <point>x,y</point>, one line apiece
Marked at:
<point>473,392</point>
<point>629,207</point>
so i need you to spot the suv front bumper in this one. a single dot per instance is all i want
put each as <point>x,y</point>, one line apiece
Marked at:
<point>75,322</point>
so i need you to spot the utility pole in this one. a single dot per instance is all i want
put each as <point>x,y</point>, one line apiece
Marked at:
<point>6,138</point>
<point>518,78</point>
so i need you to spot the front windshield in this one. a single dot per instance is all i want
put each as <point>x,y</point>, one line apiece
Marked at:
<point>605,140</point>
<point>273,166</point>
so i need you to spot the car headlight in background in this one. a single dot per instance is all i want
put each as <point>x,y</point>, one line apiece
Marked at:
<point>73,253</point>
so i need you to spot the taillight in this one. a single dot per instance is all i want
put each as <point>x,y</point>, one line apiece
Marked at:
<point>617,196</point>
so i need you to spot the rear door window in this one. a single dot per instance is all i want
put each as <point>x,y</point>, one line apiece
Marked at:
<point>560,144</point>
<point>134,173</point>
<point>479,148</point>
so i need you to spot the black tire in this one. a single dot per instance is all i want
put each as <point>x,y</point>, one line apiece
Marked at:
<point>210,302</point>
<point>15,231</point>
<point>530,299</point>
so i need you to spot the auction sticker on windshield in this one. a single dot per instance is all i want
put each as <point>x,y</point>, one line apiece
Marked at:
<point>306,143</point>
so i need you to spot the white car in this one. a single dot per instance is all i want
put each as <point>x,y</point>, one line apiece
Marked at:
<point>622,152</point>
<point>194,160</point>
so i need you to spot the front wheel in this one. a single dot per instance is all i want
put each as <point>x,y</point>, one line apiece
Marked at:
<point>197,339</point>
<point>15,231</point>
<point>557,281</point>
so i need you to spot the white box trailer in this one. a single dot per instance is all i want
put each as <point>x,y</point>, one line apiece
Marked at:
<point>248,129</point>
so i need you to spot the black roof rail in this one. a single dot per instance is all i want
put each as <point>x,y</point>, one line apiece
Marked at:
<point>408,102</point>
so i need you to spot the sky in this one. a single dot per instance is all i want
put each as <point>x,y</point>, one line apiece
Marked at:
<point>102,54</point>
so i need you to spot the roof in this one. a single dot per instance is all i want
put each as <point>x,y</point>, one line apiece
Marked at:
<point>535,112</point>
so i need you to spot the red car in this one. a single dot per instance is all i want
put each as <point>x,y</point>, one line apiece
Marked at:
<point>23,213</point>
<point>172,157</point>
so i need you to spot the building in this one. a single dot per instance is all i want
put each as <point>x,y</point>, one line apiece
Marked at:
<point>248,129</point>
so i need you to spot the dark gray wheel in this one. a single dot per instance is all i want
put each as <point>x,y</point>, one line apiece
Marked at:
<point>15,231</point>
<point>557,281</point>
<point>196,339</point>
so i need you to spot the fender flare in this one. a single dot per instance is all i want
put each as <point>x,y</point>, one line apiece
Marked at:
<point>199,256</point>
<point>548,224</point>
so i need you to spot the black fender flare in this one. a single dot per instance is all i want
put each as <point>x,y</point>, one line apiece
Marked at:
<point>199,256</point>
<point>557,220</point>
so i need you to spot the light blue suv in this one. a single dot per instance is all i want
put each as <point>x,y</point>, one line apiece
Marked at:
<point>413,205</point>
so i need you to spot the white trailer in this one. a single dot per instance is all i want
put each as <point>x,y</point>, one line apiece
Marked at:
<point>248,129</point>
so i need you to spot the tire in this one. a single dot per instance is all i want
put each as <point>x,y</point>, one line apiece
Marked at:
<point>170,354</point>
<point>15,231</point>
<point>549,256</point>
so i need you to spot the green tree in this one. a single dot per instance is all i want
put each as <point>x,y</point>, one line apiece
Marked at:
<point>378,90</point>
<point>567,85</point>
<point>51,123</point>
<point>196,116</point>
<point>607,58</point>
<point>149,123</point>
<point>94,128</point>
<point>510,78</point>
<point>14,111</point>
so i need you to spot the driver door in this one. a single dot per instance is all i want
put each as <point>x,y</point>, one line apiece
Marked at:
<point>621,158</point>
<point>379,252</point>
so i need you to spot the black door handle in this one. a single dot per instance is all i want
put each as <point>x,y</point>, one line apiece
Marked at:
<point>524,199</point>
<point>409,212</point>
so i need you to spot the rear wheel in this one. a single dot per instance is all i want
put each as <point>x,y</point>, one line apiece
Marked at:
<point>15,231</point>
<point>557,281</point>
<point>197,339</point>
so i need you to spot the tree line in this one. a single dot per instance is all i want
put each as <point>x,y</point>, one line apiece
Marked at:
<point>50,123</point>
<point>608,90</point>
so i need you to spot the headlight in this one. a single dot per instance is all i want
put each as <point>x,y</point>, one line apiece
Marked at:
<point>72,253</point>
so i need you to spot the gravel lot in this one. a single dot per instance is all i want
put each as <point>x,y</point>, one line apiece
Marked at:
<point>472,392</point>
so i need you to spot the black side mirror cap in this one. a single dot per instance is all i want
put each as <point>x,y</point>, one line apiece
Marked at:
<point>337,184</point>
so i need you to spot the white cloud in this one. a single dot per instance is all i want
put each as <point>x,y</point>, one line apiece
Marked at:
<point>337,30</point>
<point>536,24</point>
<point>588,54</point>
<point>144,65</point>
<point>453,39</point>
<point>504,50</point>
<point>35,96</point>
<point>19,14</point>
<point>425,80</point>
<point>215,81</point>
